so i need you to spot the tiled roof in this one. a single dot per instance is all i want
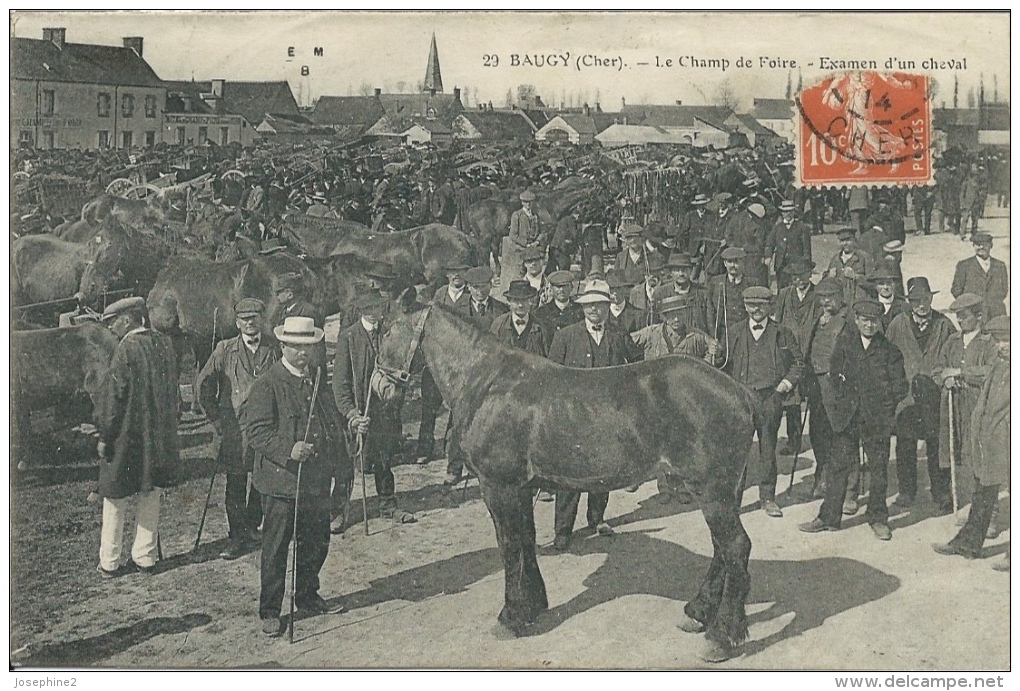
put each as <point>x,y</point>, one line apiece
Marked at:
<point>499,125</point>
<point>773,109</point>
<point>81,63</point>
<point>587,124</point>
<point>400,106</point>
<point>676,116</point>
<point>253,100</point>
<point>756,127</point>
<point>337,111</point>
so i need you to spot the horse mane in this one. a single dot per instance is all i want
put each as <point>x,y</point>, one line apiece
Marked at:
<point>486,342</point>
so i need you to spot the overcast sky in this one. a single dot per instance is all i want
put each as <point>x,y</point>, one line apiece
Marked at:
<point>381,50</point>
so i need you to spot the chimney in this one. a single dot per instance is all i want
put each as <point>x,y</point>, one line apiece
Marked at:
<point>598,107</point>
<point>217,87</point>
<point>134,43</point>
<point>378,92</point>
<point>456,93</point>
<point>623,103</point>
<point>587,110</point>
<point>55,36</point>
<point>679,103</point>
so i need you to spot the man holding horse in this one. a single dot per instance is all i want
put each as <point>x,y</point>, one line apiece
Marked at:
<point>589,344</point>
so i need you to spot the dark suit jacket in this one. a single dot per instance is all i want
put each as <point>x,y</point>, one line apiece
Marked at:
<point>868,382</point>
<point>789,363</point>
<point>535,338</point>
<point>572,346</point>
<point>630,319</point>
<point>555,318</point>
<point>275,417</point>
<point>483,319</point>
<point>633,271</point>
<point>993,286</point>
<point>462,304</point>
<point>353,365</point>
<point>788,242</point>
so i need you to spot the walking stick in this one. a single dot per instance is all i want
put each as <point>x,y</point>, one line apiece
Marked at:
<point>796,455</point>
<point>361,443</point>
<point>212,478</point>
<point>297,496</point>
<point>952,453</point>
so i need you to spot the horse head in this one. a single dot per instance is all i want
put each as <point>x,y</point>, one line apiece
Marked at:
<point>104,253</point>
<point>400,346</point>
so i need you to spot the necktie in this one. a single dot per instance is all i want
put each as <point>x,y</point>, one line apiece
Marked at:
<point>252,343</point>
<point>597,327</point>
<point>758,327</point>
<point>520,323</point>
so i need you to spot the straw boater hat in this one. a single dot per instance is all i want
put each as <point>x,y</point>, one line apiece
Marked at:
<point>674,303</point>
<point>298,331</point>
<point>787,205</point>
<point>892,247</point>
<point>699,200</point>
<point>594,291</point>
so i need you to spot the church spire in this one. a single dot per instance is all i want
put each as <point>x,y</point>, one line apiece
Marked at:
<point>433,77</point>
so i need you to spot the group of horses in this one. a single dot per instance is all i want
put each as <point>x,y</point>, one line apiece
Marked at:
<point>518,421</point>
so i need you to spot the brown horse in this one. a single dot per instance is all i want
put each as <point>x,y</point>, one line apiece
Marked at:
<point>520,421</point>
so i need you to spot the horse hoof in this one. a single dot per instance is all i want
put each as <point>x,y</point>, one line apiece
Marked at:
<point>691,625</point>
<point>716,652</point>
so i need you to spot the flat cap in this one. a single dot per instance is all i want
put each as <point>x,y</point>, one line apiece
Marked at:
<point>966,301</point>
<point>981,238</point>
<point>679,260</point>
<point>531,254</point>
<point>757,294</point>
<point>452,264</point>
<point>845,233</point>
<point>249,307</point>
<point>631,230</point>
<point>828,287</point>
<point>527,196</point>
<point>699,200</point>
<point>369,301</point>
<point>869,308</point>
<point>998,327</point>
<point>560,278</point>
<point>478,276</point>
<point>733,253</point>
<point>131,304</point>
<point>787,205</point>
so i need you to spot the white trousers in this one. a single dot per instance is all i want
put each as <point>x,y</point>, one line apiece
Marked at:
<point>143,552</point>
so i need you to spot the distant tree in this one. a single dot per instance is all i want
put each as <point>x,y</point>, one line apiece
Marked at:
<point>419,87</point>
<point>725,96</point>
<point>401,85</point>
<point>598,96</point>
<point>789,85</point>
<point>525,94</point>
<point>509,99</point>
<point>365,89</point>
<point>800,81</point>
<point>956,91</point>
<point>971,99</point>
<point>474,95</point>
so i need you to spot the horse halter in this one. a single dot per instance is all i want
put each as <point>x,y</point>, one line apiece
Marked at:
<point>404,375</point>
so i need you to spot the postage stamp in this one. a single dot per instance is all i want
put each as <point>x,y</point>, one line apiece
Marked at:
<point>864,128</point>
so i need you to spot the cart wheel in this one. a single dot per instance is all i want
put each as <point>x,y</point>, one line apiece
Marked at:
<point>143,191</point>
<point>121,187</point>
<point>233,175</point>
<point>20,176</point>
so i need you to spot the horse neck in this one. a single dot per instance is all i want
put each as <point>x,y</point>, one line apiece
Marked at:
<point>453,353</point>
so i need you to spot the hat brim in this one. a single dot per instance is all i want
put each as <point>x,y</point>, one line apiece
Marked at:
<point>591,298</point>
<point>248,313</point>
<point>298,340</point>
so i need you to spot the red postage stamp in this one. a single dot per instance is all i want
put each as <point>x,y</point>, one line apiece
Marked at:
<point>865,128</point>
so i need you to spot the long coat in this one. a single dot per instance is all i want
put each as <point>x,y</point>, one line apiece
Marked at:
<point>572,347</point>
<point>275,417</point>
<point>630,319</point>
<point>992,286</point>
<point>798,315</point>
<point>725,307</point>
<point>137,416</point>
<point>634,271</point>
<point>975,361</point>
<point>353,365</point>
<point>867,382</point>
<point>989,428</point>
<point>224,385</point>
<point>861,262</point>
<point>534,339</point>
<point>919,363</point>
<point>787,242</point>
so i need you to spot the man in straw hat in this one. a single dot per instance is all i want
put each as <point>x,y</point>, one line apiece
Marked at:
<point>987,445</point>
<point>920,335</point>
<point>274,420</point>
<point>136,415</point>
<point>223,387</point>
<point>588,344</point>
<point>764,356</point>
<point>866,381</point>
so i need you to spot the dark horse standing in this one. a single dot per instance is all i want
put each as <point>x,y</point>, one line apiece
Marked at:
<point>520,420</point>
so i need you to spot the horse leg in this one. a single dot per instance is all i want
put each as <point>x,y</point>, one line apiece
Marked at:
<point>525,594</point>
<point>728,628</point>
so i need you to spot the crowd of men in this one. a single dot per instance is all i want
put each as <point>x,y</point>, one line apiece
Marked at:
<point>861,355</point>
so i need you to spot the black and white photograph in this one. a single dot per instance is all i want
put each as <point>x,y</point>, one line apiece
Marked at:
<point>512,340</point>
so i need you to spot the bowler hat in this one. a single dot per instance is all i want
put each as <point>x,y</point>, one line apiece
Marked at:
<point>981,238</point>
<point>249,307</point>
<point>918,286</point>
<point>115,309</point>
<point>594,291</point>
<point>531,254</point>
<point>560,278</point>
<point>289,281</point>
<point>965,301</point>
<point>828,287</point>
<point>453,264</point>
<point>998,327</point>
<point>369,301</point>
<point>527,196</point>
<point>757,294</point>
<point>520,290</point>
<point>478,276</point>
<point>869,308</point>
<point>298,331</point>
<point>883,273</point>
<point>679,260</point>
<point>733,253</point>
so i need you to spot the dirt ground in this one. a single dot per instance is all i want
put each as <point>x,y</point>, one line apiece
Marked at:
<point>426,595</point>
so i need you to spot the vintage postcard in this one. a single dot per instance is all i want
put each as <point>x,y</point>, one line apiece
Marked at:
<point>781,240</point>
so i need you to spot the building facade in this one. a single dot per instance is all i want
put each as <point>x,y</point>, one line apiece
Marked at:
<point>84,96</point>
